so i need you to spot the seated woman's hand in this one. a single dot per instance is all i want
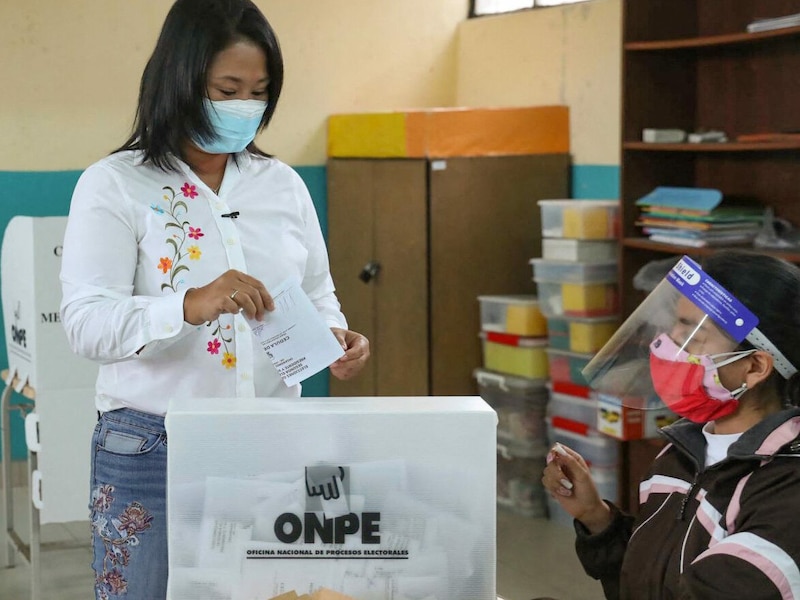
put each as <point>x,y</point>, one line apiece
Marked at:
<point>568,480</point>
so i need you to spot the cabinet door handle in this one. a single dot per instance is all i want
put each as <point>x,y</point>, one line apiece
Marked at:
<point>370,271</point>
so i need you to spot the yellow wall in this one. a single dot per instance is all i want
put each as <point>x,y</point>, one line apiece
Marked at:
<point>70,71</point>
<point>568,55</point>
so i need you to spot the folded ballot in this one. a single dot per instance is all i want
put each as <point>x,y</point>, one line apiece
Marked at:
<point>294,335</point>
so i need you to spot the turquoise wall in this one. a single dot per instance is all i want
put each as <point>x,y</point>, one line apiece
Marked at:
<point>48,193</point>
<point>600,182</point>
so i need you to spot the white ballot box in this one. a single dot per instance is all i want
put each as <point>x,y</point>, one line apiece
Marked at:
<point>364,498</point>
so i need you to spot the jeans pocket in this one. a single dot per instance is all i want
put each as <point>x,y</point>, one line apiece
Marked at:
<point>126,439</point>
<point>123,443</point>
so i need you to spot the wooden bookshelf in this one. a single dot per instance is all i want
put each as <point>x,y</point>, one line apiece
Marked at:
<point>713,40</point>
<point>716,147</point>
<point>691,65</point>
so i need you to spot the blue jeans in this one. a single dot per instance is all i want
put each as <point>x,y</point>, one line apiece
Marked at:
<point>129,506</point>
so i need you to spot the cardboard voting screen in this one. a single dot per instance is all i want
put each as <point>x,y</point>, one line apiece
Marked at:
<point>39,355</point>
<point>372,498</point>
<point>38,351</point>
<point>66,421</point>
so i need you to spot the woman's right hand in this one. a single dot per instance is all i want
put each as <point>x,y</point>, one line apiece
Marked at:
<point>567,478</point>
<point>230,293</point>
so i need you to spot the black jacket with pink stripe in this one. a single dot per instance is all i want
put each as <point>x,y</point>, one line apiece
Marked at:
<point>728,531</point>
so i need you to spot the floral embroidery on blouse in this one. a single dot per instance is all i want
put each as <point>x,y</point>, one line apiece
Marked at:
<point>221,341</point>
<point>189,190</point>
<point>180,229</point>
<point>134,520</point>
<point>228,360</point>
<point>177,211</point>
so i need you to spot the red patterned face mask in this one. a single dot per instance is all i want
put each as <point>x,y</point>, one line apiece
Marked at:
<point>689,384</point>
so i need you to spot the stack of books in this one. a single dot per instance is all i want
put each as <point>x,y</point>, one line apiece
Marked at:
<point>698,217</point>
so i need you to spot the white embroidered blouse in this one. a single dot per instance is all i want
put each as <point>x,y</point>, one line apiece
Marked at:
<point>137,238</point>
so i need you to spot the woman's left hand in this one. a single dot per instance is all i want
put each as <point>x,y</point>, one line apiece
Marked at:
<point>356,348</point>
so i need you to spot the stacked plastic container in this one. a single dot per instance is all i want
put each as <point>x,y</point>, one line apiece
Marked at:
<point>513,382</point>
<point>577,283</point>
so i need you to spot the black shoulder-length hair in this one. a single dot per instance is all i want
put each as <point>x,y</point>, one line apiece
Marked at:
<point>173,86</point>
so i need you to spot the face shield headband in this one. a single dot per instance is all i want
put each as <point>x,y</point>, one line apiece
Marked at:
<point>702,318</point>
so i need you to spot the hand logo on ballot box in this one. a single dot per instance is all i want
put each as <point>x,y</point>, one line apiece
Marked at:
<point>324,482</point>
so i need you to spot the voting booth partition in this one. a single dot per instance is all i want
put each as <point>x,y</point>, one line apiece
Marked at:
<point>41,366</point>
<point>389,498</point>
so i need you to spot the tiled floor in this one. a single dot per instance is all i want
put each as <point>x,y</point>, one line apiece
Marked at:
<point>535,557</point>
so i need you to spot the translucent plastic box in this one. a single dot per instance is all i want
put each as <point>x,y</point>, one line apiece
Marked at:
<point>519,483</point>
<point>558,299</point>
<point>515,355</point>
<point>625,423</point>
<point>567,366</point>
<point>574,408</point>
<point>520,404</point>
<point>581,334</point>
<point>565,271</point>
<point>580,250</point>
<point>519,315</point>
<point>598,450</point>
<point>374,498</point>
<point>580,219</point>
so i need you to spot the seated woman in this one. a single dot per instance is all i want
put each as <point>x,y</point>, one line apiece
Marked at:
<point>718,507</point>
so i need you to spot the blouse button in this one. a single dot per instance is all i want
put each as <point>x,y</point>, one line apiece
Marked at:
<point>231,242</point>
<point>168,328</point>
<point>241,327</point>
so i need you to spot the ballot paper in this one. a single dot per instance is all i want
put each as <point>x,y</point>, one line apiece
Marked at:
<point>295,336</point>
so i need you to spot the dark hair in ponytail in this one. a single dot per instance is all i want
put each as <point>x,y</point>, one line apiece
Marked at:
<point>770,288</point>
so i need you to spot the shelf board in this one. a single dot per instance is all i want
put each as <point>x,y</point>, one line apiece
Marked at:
<point>730,39</point>
<point>714,147</point>
<point>645,244</point>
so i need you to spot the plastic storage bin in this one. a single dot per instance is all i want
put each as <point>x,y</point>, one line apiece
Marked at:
<point>581,334</point>
<point>567,366</point>
<point>519,315</point>
<point>597,449</point>
<point>579,250</point>
<point>575,289</point>
<point>558,332</point>
<point>557,299</point>
<point>625,423</point>
<point>574,408</point>
<point>565,271</point>
<point>519,483</point>
<point>520,404</point>
<point>580,219</point>
<point>515,355</point>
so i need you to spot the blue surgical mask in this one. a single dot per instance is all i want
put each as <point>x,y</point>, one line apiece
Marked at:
<point>234,122</point>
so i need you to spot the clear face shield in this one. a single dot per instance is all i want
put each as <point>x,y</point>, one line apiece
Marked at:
<point>668,352</point>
